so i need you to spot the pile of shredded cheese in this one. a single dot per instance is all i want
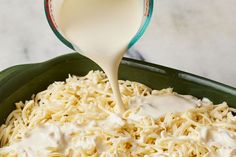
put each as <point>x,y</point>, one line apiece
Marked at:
<point>79,119</point>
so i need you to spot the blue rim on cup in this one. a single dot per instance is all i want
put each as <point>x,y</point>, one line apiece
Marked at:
<point>148,11</point>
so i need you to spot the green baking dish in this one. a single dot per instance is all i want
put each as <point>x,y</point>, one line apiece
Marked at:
<point>20,82</point>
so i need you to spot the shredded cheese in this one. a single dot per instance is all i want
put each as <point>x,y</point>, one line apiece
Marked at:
<point>78,118</point>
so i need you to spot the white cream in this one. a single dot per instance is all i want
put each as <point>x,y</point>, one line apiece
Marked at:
<point>112,121</point>
<point>102,30</point>
<point>37,141</point>
<point>63,138</point>
<point>220,138</point>
<point>159,105</point>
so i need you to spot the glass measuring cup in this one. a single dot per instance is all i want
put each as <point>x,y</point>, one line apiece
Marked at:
<point>52,6</point>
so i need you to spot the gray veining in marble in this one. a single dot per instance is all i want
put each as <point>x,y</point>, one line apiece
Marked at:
<point>197,36</point>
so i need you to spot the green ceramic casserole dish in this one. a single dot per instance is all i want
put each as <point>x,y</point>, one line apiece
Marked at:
<point>20,82</point>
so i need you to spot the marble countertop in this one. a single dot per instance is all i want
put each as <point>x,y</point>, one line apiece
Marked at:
<point>191,35</point>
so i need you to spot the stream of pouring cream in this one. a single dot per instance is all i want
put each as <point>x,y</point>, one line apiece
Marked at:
<point>102,31</point>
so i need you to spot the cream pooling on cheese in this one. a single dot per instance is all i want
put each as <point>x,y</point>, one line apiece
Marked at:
<point>223,139</point>
<point>156,106</point>
<point>42,139</point>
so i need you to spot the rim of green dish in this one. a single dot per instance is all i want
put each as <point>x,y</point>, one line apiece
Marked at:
<point>138,35</point>
<point>131,62</point>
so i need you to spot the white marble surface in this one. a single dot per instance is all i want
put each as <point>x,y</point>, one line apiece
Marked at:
<point>197,36</point>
